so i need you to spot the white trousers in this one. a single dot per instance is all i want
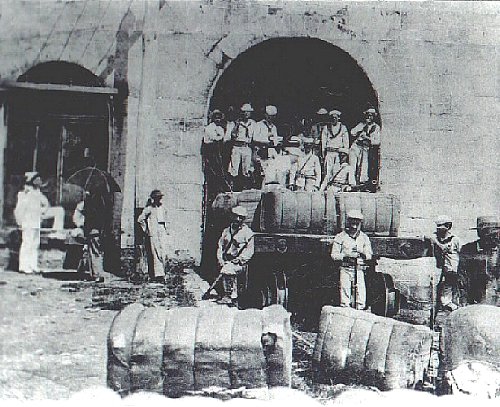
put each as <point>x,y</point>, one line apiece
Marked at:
<point>28,252</point>
<point>240,155</point>
<point>346,283</point>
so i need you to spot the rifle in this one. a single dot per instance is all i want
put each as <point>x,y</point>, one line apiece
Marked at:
<point>354,286</point>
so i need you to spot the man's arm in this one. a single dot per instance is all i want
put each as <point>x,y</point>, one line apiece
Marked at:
<point>367,249</point>
<point>336,252</point>
<point>345,137</point>
<point>142,219</point>
<point>248,251</point>
<point>220,249</point>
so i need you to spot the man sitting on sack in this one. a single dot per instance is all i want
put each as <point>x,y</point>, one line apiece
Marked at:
<point>352,248</point>
<point>234,251</point>
<point>307,172</point>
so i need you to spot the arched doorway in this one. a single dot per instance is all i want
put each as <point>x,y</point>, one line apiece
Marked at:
<point>298,76</point>
<point>57,114</point>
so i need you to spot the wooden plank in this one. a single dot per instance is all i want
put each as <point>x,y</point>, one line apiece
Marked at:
<point>9,84</point>
<point>391,247</point>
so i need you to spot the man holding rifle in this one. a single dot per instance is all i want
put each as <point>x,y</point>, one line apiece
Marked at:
<point>235,249</point>
<point>352,249</point>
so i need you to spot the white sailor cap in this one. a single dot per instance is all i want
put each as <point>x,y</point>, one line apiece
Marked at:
<point>247,107</point>
<point>355,214</point>
<point>322,111</point>
<point>271,110</point>
<point>335,113</point>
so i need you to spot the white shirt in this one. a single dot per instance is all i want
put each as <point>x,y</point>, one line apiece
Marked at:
<point>31,205</point>
<point>266,133</point>
<point>346,246</point>
<point>371,133</point>
<point>213,133</point>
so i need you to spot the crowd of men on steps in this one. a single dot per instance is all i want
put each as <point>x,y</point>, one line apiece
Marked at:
<point>242,153</point>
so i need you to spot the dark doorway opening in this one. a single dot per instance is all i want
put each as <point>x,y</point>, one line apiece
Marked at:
<point>298,75</point>
<point>49,130</point>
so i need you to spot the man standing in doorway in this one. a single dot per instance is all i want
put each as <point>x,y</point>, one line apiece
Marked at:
<point>264,141</point>
<point>318,129</point>
<point>212,149</point>
<point>365,135</point>
<point>479,266</point>
<point>352,249</point>
<point>235,249</point>
<point>308,169</point>
<point>152,221</point>
<point>334,136</point>
<point>446,251</point>
<point>31,205</point>
<point>241,153</point>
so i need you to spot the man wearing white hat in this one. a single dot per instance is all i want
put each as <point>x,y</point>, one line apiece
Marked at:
<point>265,139</point>
<point>352,248</point>
<point>365,135</point>
<point>277,167</point>
<point>307,172</point>
<point>446,251</point>
<point>234,251</point>
<point>32,206</point>
<point>318,128</point>
<point>333,137</point>
<point>212,150</point>
<point>341,179</point>
<point>479,266</point>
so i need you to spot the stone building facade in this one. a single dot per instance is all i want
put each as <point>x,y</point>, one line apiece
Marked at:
<point>433,70</point>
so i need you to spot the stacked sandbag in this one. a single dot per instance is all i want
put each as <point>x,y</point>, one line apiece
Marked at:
<point>249,199</point>
<point>358,347</point>
<point>325,213</point>
<point>471,351</point>
<point>179,350</point>
<point>417,281</point>
<point>286,211</point>
<point>381,211</point>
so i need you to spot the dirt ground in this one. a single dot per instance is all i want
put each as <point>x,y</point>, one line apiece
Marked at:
<point>53,343</point>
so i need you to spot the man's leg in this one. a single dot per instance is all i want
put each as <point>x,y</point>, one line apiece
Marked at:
<point>345,287</point>
<point>28,252</point>
<point>96,258</point>
<point>361,292</point>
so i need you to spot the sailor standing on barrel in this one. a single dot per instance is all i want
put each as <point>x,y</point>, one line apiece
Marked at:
<point>234,251</point>
<point>352,248</point>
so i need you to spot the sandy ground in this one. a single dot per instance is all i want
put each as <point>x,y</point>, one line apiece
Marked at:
<point>52,342</point>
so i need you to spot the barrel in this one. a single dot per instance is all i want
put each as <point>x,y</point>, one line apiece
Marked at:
<point>358,347</point>
<point>303,212</point>
<point>471,334</point>
<point>381,211</point>
<point>174,351</point>
<point>249,199</point>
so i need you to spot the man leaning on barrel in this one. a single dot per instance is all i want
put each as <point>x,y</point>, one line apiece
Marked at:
<point>234,251</point>
<point>352,249</point>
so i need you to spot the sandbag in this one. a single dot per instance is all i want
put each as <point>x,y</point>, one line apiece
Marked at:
<point>471,334</point>
<point>358,347</point>
<point>381,211</point>
<point>249,199</point>
<point>417,281</point>
<point>286,211</point>
<point>179,350</point>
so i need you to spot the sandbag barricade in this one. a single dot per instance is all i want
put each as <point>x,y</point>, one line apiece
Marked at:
<point>174,351</point>
<point>298,212</point>
<point>381,211</point>
<point>325,213</point>
<point>249,199</point>
<point>358,347</point>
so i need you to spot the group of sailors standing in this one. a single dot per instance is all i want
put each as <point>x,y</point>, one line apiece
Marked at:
<point>247,154</point>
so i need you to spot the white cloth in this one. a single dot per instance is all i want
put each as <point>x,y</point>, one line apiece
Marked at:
<point>213,133</point>
<point>31,205</point>
<point>277,170</point>
<point>266,133</point>
<point>152,221</point>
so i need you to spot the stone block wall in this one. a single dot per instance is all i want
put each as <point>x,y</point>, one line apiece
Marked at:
<point>433,66</point>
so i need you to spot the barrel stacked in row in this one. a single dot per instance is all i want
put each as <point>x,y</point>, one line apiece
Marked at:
<point>358,347</point>
<point>321,213</point>
<point>184,349</point>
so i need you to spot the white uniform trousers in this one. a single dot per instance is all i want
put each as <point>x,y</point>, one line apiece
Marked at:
<point>28,252</point>
<point>346,283</point>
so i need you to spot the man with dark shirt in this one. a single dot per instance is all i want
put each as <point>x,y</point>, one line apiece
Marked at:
<point>479,266</point>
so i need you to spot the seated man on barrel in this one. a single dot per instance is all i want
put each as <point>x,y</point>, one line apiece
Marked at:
<point>235,249</point>
<point>352,249</point>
